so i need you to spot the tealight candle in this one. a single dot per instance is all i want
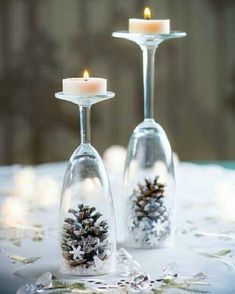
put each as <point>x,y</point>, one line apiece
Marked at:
<point>85,86</point>
<point>149,26</point>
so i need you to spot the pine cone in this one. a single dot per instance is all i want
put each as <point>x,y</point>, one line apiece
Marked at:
<point>83,236</point>
<point>149,210</point>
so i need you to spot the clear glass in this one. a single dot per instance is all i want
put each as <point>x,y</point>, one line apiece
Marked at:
<point>87,226</point>
<point>149,168</point>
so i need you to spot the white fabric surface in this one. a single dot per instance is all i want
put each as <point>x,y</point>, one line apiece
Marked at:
<point>205,224</point>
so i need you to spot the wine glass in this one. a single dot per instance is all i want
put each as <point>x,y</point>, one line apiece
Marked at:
<point>149,167</point>
<point>87,226</point>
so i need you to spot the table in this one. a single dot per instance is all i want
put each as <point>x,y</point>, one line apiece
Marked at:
<point>205,235</point>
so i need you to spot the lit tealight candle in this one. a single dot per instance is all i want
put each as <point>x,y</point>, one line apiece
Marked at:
<point>85,86</point>
<point>149,26</point>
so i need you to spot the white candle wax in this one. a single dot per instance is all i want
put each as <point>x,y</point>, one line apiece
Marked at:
<point>85,86</point>
<point>148,25</point>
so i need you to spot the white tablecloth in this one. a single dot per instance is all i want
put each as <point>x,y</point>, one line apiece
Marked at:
<point>205,226</point>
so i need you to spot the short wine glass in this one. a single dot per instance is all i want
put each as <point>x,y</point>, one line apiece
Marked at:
<point>87,226</point>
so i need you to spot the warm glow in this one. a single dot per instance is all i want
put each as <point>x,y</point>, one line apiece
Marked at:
<point>161,170</point>
<point>225,200</point>
<point>88,189</point>
<point>40,190</point>
<point>86,74</point>
<point>91,187</point>
<point>13,211</point>
<point>114,158</point>
<point>147,13</point>
<point>25,181</point>
<point>48,191</point>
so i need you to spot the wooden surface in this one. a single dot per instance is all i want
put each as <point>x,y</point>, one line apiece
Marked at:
<point>43,41</point>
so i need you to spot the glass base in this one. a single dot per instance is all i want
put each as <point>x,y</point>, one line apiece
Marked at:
<point>138,238</point>
<point>107,267</point>
<point>84,101</point>
<point>139,245</point>
<point>148,40</point>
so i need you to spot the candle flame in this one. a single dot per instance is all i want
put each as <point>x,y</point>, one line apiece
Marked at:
<point>86,75</point>
<point>147,13</point>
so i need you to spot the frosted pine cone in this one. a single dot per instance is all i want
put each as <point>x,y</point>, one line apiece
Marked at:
<point>150,217</point>
<point>84,236</point>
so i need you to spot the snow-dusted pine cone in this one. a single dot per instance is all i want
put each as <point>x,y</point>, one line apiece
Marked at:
<point>84,239</point>
<point>150,217</point>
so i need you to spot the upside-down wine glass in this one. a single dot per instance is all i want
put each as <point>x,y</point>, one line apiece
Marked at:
<point>87,226</point>
<point>149,167</point>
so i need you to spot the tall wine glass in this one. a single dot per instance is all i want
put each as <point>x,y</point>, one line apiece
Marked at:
<point>87,226</point>
<point>149,167</point>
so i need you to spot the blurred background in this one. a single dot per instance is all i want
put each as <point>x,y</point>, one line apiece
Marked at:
<point>43,41</point>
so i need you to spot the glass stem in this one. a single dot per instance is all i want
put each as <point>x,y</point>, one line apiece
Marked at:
<point>85,124</point>
<point>148,79</point>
